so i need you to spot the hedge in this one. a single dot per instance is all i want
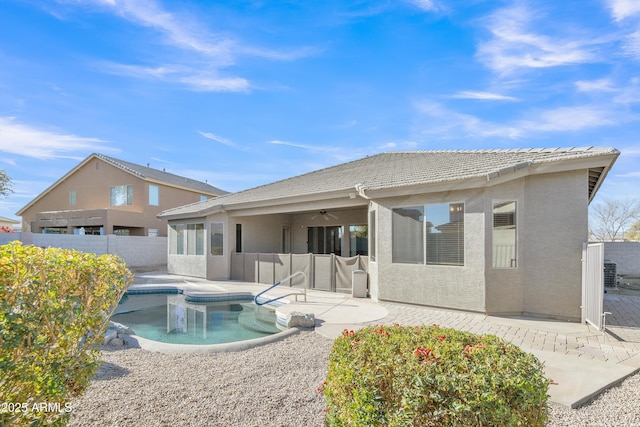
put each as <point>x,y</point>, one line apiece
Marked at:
<point>54,308</point>
<point>432,376</point>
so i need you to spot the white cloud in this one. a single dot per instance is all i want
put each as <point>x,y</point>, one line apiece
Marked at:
<point>515,46</point>
<point>487,96</point>
<point>427,5</point>
<point>629,175</point>
<point>631,45</point>
<point>571,119</point>
<point>601,85</point>
<point>178,31</point>
<point>28,141</point>
<point>192,78</point>
<point>448,124</point>
<point>451,124</point>
<point>292,144</point>
<point>203,49</point>
<point>219,139</point>
<point>621,9</point>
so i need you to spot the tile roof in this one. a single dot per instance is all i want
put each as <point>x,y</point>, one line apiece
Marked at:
<point>398,169</point>
<point>145,172</point>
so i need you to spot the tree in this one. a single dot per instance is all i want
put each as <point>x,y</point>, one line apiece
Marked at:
<point>611,218</point>
<point>634,232</point>
<point>5,184</point>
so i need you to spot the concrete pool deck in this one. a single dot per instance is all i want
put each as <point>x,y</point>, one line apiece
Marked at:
<point>580,361</point>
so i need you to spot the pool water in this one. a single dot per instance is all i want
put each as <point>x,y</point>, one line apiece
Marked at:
<point>171,319</point>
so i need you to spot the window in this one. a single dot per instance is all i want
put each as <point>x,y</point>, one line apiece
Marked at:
<point>217,238</point>
<point>154,195</point>
<point>72,197</point>
<point>445,234</point>
<point>121,231</point>
<point>186,239</point>
<point>504,235</point>
<point>176,239</point>
<point>324,240</point>
<point>153,232</point>
<point>408,235</point>
<point>358,240</point>
<point>122,195</point>
<point>203,198</point>
<point>239,238</point>
<point>372,240</point>
<point>286,239</point>
<point>431,234</point>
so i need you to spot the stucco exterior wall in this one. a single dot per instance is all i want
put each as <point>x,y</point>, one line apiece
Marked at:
<point>456,287</point>
<point>187,265</point>
<point>259,233</point>
<point>554,230</point>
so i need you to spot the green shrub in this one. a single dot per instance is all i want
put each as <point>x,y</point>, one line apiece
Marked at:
<point>54,308</point>
<point>432,376</point>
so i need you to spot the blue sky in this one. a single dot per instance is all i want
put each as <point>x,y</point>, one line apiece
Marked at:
<point>243,93</point>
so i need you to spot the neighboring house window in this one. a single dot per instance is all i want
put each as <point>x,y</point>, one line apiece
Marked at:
<point>122,195</point>
<point>217,238</point>
<point>504,235</point>
<point>358,240</point>
<point>72,197</point>
<point>203,198</point>
<point>154,195</point>
<point>238,238</point>
<point>121,231</point>
<point>431,234</point>
<point>372,233</point>
<point>153,232</point>
<point>186,239</point>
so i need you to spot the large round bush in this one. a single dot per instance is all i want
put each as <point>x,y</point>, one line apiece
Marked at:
<point>432,376</point>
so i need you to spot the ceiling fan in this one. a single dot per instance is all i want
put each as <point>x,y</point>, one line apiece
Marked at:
<point>326,215</point>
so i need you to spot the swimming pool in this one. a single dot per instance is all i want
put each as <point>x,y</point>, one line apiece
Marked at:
<point>175,318</point>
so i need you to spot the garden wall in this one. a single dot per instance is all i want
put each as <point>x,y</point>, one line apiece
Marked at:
<point>626,255</point>
<point>138,252</point>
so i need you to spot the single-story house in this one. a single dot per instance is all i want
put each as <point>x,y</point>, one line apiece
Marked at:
<point>491,231</point>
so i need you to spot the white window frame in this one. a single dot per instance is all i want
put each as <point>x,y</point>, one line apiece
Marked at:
<point>514,261</point>
<point>128,190</point>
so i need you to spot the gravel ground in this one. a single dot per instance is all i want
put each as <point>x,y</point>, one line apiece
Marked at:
<point>272,385</point>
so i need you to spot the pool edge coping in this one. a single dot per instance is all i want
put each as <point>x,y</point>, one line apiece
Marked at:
<point>135,341</point>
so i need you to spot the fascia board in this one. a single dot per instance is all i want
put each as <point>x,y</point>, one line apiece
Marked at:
<point>316,205</point>
<point>180,187</point>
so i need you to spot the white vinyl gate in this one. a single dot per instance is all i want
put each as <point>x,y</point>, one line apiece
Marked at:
<point>593,284</point>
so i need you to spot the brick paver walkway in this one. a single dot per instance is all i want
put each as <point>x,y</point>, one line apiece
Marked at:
<point>619,343</point>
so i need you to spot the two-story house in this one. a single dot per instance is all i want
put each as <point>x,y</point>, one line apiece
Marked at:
<point>104,195</point>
